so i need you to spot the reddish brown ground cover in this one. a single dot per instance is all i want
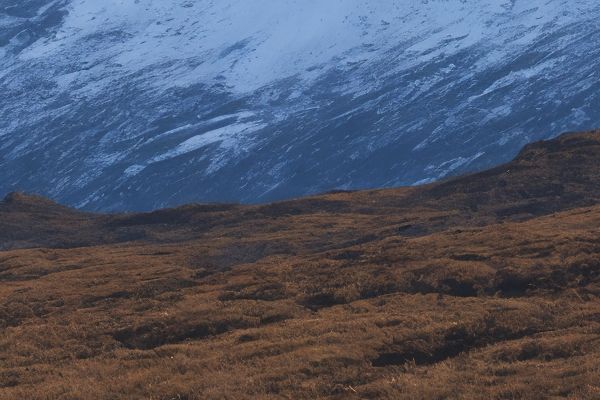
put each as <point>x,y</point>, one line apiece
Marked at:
<point>481,287</point>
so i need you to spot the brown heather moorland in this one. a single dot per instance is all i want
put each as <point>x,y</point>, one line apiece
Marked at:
<point>485,286</point>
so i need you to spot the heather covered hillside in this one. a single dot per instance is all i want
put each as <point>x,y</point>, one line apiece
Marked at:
<point>486,286</point>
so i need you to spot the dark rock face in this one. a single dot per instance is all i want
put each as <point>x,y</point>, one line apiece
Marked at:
<point>116,110</point>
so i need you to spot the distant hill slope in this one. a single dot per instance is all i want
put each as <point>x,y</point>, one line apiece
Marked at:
<point>140,105</point>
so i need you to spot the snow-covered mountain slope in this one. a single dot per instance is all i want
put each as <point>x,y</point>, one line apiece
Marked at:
<point>138,104</point>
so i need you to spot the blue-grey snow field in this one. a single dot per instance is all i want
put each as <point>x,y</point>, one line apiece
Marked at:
<point>139,104</point>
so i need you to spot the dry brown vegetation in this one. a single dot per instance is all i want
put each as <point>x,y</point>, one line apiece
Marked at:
<point>482,287</point>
